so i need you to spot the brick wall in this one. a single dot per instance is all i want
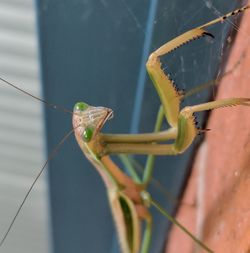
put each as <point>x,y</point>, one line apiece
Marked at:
<point>218,192</point>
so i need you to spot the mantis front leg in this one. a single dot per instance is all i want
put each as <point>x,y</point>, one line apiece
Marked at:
<point>186,131</point>
<point>182,122</point>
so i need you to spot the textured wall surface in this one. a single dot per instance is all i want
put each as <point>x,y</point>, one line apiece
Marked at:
<point>216,205</point>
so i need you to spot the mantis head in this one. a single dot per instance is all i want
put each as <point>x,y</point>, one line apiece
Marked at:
<point>88,120</point>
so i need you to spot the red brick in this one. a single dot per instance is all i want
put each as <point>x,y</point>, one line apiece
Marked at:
<point>219,185</point>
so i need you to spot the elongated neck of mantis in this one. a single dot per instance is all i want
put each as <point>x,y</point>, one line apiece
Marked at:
<point>111,174</point>
<point>116,172</point>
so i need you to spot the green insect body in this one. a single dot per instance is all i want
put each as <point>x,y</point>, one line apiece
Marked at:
<point>124,194</point>
<point>128,206</point>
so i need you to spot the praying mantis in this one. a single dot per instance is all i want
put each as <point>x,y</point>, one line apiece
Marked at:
<point>129,200</point>
<point>130,196</point>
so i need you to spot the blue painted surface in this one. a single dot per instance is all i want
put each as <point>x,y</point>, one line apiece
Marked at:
<point>140,86</point>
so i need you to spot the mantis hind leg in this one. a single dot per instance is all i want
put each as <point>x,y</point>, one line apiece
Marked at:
<point>147,174</point>
<point>146,240</point>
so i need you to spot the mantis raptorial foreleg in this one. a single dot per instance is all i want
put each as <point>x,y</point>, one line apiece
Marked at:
<point>182,123</point>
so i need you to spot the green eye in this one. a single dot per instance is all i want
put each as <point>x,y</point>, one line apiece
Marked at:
<point>88,133</point>
<point>80,106</point>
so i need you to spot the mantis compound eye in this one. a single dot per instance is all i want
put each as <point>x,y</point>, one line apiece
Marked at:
<point>87,134</point>
<point>80,106</point>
